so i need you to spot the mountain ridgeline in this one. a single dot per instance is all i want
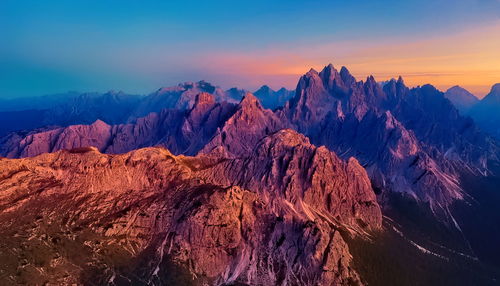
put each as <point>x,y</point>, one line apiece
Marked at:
<point>116,107</point>
<point>196,185</point>
<point>485,112</point>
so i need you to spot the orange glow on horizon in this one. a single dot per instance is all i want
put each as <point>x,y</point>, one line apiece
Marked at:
<point>469,58</point>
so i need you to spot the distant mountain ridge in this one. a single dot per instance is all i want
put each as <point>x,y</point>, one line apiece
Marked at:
<point>487,111</point>
<point>194,183</point>
<point>461,98</point>
<point>410,140</point>
<point>114,107</point>
<point>273,99</point>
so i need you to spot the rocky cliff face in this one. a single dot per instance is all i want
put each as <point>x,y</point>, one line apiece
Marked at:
<point>244,195</point>
<point>243,129</point>
<point>149,217</point>
<point>278,165</point>
<point>182,131</point>
<point>437,124</point>
<point>411,141</point>
<point>182,96</point>
<point>25,114</point>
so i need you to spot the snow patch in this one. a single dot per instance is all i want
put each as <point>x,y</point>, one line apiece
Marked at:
<point>419,247</point>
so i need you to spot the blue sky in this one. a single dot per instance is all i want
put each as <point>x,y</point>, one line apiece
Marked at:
<point>138,46</point>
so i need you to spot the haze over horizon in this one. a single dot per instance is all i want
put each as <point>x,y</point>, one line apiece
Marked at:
<point>138,47</point>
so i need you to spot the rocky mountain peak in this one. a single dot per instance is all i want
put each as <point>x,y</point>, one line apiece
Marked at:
<point>370,81</point>
<point>203,103</point>
<point>496,88</point>
<point>99,124</point>
<point>312,72</point>
<point>311,83</point>
<point>250,101</point>
<point>273,99</point>
<point>202,85</point>
<point>264,89</point>
<point>486,111</point>
<point>204,98</point>
<point>163,212</point>
<point>461,98</point>
<point>459,89</point>
<point>331,77</point>
<point>234,95</point>
<point>346,76</point>
<point>245,127</point>
<point>285,165</point>
<point>286,137</point>
<point>400,80</point>
<point>429,89</point>
<point>494,95</point>
<point>329,72</point>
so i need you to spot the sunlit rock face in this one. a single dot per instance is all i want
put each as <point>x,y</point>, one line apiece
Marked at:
<point>245,128</point>
<point>197,185</point>
<point>113,107</point>
<point>409,140</point>
<point>412,141</point>
<point>182,131</point>
<point>150,217</point>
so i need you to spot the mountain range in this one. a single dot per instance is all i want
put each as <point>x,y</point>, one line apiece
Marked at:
<point>485,112</point>
<point>193,184</point>
<point>116,107</point>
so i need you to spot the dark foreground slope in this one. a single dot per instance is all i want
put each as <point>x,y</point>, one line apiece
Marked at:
<point>418,248</point>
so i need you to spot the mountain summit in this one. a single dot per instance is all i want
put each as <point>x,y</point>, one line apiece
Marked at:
<point>151,216</point>
<point>205,186</point>
<point>461,98</point>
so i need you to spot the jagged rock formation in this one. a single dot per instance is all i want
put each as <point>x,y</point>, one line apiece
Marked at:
<point>182,96</point>
<point>461,98</point>
<point>277,166</point>
<point>241,132</point>
<point>62,110</point>
<point>411,141</point>
<point>258,204</point>
<point>182,131</point>
<point>149,217</point>
<point>206,125</point>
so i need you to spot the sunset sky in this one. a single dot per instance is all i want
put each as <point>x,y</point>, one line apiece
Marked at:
<point>138,46</point>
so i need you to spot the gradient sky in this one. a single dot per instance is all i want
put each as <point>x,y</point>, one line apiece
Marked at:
<point>138,46</point>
